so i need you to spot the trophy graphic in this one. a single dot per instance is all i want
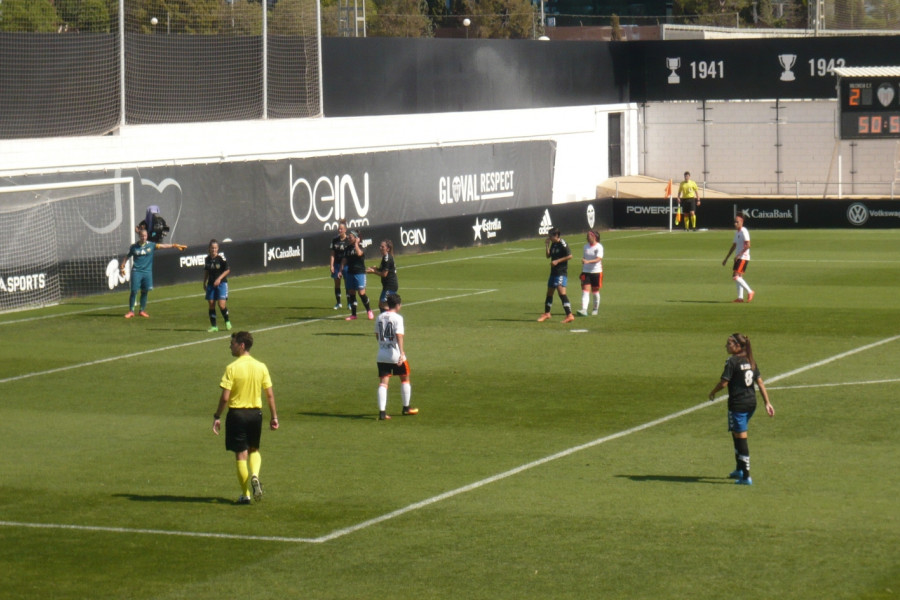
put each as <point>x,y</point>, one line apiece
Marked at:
<point>673,64</point>
<point>787,61</point>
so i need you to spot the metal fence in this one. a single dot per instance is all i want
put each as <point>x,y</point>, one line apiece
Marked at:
<point>145,64</point>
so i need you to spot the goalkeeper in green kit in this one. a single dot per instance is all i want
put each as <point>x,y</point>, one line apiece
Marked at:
<point>142,252</point>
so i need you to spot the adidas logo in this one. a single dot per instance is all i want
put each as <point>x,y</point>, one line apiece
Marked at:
<point>546,223</point>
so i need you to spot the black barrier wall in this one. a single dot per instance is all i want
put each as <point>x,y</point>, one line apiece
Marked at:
<point>429,235</point>
<point>391,76</point>
<point>764,213</point>
<point>247,257</point>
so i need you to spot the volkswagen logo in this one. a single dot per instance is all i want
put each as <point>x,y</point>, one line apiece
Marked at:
<point>857,214</point>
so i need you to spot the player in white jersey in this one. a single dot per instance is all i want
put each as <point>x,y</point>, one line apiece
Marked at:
<point>741,259</point>
<point>591,273</point>
<point>391,358</point>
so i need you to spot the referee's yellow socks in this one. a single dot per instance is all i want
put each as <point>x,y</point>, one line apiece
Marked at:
<point>255,460</point>
<point>243,477</point>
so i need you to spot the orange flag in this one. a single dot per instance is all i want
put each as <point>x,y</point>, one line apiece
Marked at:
<point>669,195</point>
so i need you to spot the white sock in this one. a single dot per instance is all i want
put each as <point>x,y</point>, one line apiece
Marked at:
<point>382,397</point>
<point>584,300</point>
<point>405,392</point>
<point>740,281</point>
<point>596,300</point>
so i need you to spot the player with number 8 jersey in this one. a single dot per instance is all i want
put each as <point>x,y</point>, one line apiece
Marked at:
<point>391,359</point>
<point>741,376</point>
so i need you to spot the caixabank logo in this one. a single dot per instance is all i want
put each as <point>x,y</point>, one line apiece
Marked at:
<point>759,214</point>
<point>282,252</point>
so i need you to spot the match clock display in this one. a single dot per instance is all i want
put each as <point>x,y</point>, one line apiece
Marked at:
<point>870,108</point>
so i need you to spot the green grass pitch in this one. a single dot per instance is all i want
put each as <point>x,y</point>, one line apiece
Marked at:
<point>546,462</point>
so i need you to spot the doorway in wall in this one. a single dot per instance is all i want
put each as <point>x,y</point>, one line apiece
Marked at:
<point>614,129</point>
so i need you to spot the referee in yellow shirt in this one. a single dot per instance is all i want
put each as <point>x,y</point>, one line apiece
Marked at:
<point>688,196</point>
<point>242,385</point>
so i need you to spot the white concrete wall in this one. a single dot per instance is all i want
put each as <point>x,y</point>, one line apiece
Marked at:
<point>743,155</point>
<point>579,132</point>
<point>742,151</point>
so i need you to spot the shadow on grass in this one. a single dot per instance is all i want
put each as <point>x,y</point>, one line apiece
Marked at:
<point>700,301</point>
<point>169,498</point>
<point>342,334</point>
<point>678,478</point>
<point>316,309</point>
<point>337,416</point>
<point>527,319</point>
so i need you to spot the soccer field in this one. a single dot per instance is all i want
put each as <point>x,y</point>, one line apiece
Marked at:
<point>549,460</point>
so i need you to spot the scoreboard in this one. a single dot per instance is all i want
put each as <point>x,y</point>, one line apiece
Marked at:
<point>869,99</point>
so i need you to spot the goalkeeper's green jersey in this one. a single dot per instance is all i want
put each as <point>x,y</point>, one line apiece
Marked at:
<point>143,256</point>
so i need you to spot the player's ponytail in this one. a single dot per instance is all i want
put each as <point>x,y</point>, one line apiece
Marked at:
<point>744,342</point>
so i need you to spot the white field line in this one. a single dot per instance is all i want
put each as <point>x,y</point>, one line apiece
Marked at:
<point>101,361</point>
<point>338,533</point>
<point>95,529</point>
<point>759,260</point>
<point>825,385</point>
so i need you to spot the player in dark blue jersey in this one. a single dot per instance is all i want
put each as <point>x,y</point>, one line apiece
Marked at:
<point>355,264</point>
<point>338,247</point>
<point>387,270</point>
<point>215,285</point>
<point>559,254</point>
<point>740,375</point>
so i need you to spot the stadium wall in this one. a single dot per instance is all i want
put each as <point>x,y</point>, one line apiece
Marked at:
<point>765,213</point>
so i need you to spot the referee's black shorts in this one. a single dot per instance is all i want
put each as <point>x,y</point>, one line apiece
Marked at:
<point>243,429</point>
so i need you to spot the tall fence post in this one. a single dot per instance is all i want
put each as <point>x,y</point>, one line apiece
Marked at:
<point>121,63</point>
<point>265,59</point>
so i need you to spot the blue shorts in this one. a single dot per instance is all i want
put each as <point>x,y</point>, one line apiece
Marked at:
<point>355,281</point>
<point>338,272</point>
<point>738,421</point>
<point>217,292</point>
<point>384,294</point>
<point>556,281</point>
<point>142,281</point>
